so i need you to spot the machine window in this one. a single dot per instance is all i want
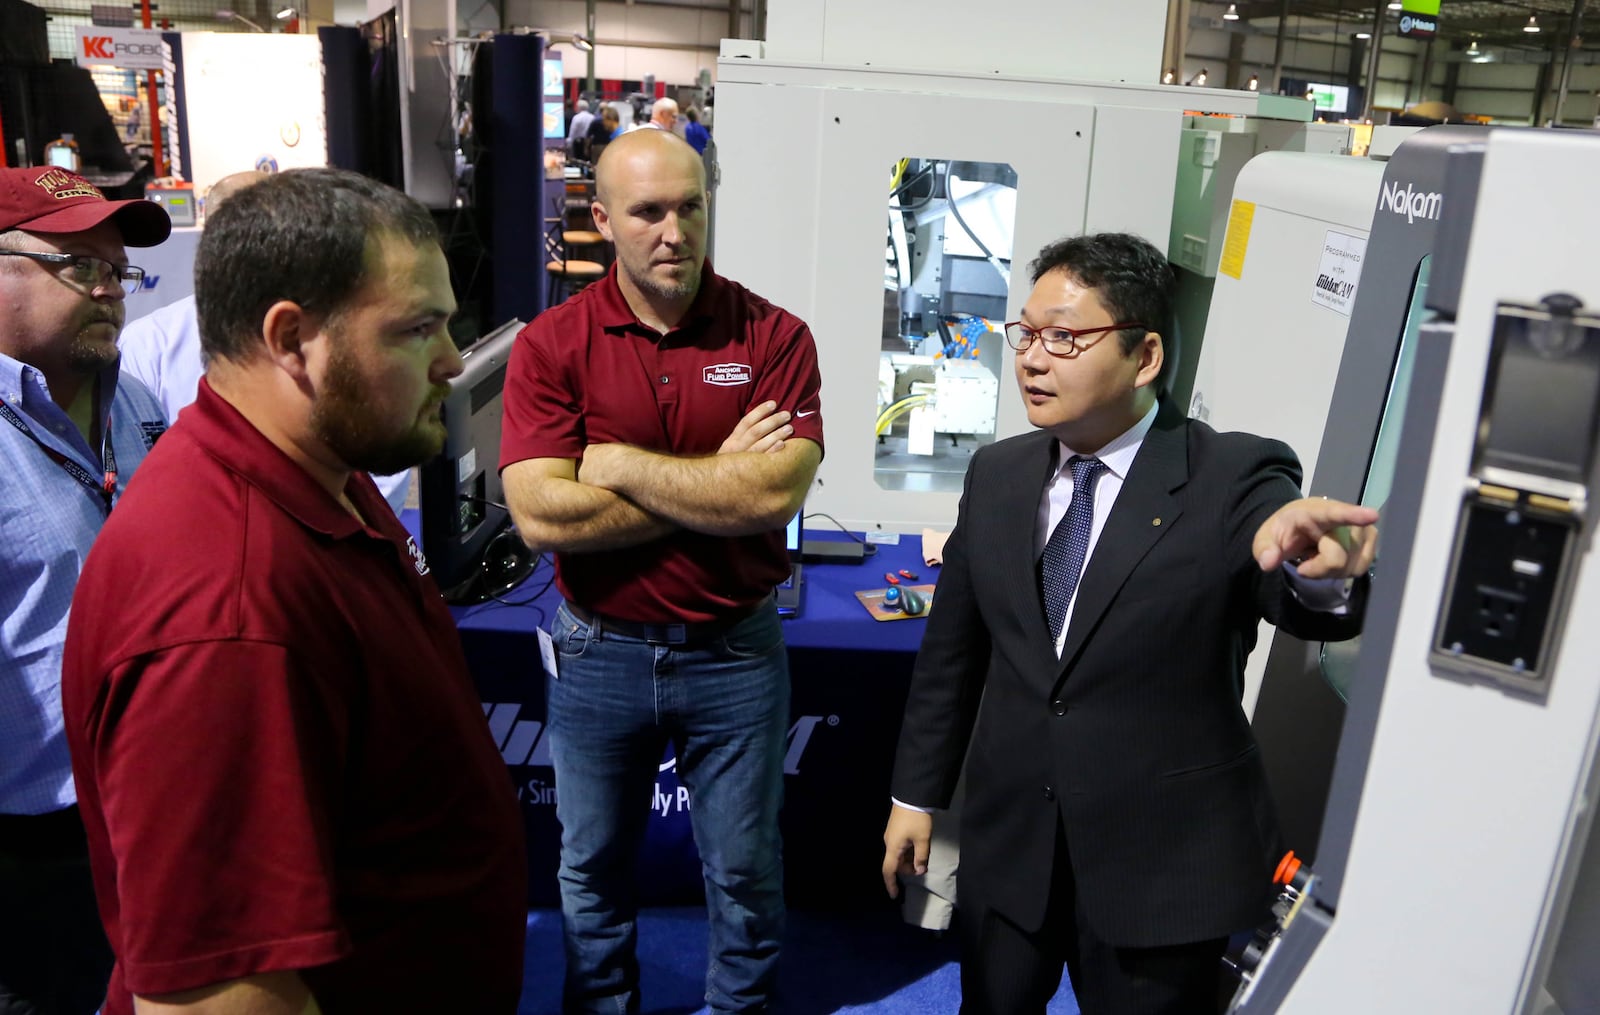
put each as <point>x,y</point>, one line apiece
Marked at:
<point>946,276</point>
<point>1338,659</point>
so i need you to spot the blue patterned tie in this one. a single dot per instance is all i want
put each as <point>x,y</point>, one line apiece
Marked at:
<point>1069,544</point>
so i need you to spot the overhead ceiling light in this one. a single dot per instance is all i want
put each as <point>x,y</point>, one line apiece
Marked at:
<point>1532,27</point>
<point>1473,50</point>
<point>1232,13</point>
<point>285,13</point>
<point>1363,35</point>
<point>1396,5</point>
<point>582,42</point>
<point>1254,82</point>
<point>223,14</point>
<point>1170,76</point>
<point>1199,80</point>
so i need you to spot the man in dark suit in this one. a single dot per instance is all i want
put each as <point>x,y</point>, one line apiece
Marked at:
<point>1100,593</point>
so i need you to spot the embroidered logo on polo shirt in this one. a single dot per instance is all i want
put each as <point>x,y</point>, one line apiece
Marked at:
<point>418,561</point>
<point>727,375</point>
<point>151,429</point>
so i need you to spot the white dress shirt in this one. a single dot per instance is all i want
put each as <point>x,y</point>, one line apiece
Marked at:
<point>1117,457</point>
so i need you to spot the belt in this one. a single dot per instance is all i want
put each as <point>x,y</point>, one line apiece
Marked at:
<point>665,634</point>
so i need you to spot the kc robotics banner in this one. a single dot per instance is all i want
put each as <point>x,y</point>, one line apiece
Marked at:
<point>130,48</point>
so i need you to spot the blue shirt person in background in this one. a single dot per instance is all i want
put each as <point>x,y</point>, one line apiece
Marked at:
<point>71,434</point>
<point>694,131</point>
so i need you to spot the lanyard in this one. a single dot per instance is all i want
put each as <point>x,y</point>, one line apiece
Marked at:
<point>106,487</point>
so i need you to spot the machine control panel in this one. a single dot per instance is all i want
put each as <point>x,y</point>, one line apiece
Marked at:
<point>1526,500</point>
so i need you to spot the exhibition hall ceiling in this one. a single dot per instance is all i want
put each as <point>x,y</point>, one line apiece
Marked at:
<point>1491,22</point>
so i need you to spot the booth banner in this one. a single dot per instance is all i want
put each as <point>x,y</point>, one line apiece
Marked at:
<point>130,48</point>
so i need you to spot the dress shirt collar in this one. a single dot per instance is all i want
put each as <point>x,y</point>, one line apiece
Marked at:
<point>1119,453</point>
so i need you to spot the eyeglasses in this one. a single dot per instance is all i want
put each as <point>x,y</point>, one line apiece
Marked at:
<point>1059,342</point>
<point>86,271</point>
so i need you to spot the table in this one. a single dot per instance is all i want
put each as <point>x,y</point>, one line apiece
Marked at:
<point>849,675</point>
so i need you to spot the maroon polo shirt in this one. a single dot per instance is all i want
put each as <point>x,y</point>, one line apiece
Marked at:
<point>588,372</point>
<point>281,761</point>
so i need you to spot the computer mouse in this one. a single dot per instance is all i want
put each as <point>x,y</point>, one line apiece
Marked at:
<point>891,598</point>
<point>912,602</point>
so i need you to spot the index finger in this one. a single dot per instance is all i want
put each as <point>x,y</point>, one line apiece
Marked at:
<point>1331,513</point>
<point>760,412</point>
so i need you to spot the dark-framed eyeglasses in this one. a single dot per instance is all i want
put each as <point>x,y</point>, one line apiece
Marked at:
<point>86,271</point>
<point>1060,342</point>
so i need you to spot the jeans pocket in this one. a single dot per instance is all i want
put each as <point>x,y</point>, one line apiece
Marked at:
<point>752,638</point>
<point>571,635</point>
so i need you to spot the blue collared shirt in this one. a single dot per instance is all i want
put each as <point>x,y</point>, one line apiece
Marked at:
<point>48,521</point>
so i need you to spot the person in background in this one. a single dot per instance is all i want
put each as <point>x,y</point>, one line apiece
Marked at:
<point>604,127</point>
<point>292,799</point>
<point>1099,596</point>
<point>663,116</point>
<point>664,493</point>
<point>578,131</point>
<point>694,131</point>
<point>162,348</point>
<point>73,433</point>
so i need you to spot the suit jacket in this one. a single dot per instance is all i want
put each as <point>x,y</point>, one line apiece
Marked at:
<point>1134,741</point>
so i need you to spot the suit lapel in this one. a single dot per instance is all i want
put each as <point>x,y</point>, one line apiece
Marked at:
<point>1160,467</point>
<point>1016,553</point>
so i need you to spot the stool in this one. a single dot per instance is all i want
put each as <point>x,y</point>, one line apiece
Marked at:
<point>575,239</point>
<point>567,274</point>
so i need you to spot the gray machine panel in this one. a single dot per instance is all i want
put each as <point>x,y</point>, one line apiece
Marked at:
<point>1399,527</point>
<point>1298,718</point>
<point>1455,870</point>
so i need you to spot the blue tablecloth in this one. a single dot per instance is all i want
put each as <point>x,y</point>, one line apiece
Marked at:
<point>849,673</point>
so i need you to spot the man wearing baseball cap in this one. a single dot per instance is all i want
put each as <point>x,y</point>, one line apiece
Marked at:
<point>70,437</point>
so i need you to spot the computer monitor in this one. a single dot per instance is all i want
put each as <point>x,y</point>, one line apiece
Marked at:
<point>789,590</point>
<point>791,536</point>
<point>466,530</point>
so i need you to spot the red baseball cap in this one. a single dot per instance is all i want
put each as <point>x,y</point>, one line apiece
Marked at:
<point>47,199</point>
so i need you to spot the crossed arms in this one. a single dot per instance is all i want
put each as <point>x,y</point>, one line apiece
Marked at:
<point>618,495</point>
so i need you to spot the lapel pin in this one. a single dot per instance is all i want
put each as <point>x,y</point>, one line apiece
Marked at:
<point>1155,521</point>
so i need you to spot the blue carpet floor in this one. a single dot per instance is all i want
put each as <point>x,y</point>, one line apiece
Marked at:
<point>868,962</point>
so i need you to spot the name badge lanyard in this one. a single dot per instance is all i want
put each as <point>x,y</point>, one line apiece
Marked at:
<point>105,486</point>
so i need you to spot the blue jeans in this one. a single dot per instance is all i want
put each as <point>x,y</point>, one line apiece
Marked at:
<point>724,706</point>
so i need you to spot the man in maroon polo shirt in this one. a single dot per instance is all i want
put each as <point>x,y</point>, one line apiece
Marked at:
<point>661,427</point>
<point>292,800</point>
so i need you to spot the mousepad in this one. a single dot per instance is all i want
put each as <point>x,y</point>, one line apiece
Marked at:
<point>872,600</point>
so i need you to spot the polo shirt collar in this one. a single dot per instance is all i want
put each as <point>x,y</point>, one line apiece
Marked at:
<point>224,432</point>
<point>614,314</point>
